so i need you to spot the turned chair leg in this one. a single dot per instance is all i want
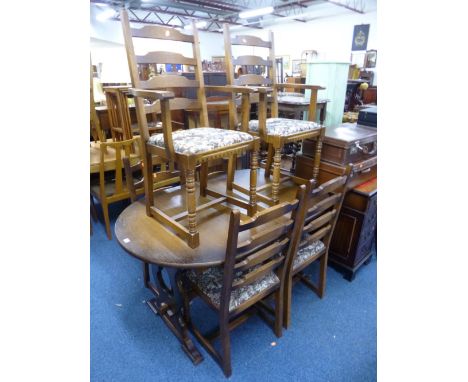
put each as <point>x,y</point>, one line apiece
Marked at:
<point>194,239</point>
<point>148,182</point>
<point>276,175</point>
<point>253,183</point>
<point>317,155</point>
<point>269,160</point>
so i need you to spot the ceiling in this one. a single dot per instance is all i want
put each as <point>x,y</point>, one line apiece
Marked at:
<point>178,13</point>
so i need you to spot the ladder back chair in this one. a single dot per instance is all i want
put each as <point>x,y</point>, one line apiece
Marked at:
<point>274,131</point>
<point>253,270</point>
<point>135,183</point>
<point>111,186</point>
<point>95,125</point>
<point>320,215</point>
<point>188,147</point>
<point>118,111</point>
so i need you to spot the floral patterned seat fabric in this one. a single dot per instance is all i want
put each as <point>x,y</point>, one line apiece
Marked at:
<point>201,139</point>
<point>307,252</point>
<point>210,282</point>
<point>284,126</point>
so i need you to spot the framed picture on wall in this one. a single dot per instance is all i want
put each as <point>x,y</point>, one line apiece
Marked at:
<point>296,67</point>
<point>286,62</point>
<point>360,37</point>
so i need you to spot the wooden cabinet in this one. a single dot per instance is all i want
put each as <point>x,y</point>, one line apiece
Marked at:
<point>355,229</point>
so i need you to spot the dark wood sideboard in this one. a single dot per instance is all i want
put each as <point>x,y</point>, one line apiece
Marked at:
<point>354,234</point>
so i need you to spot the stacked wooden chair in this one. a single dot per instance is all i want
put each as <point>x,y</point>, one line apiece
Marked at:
<point>189,147</point>
<point>317,224</point>
<point>111,187</point>
<point>254,269</point>
<point>274,131</point>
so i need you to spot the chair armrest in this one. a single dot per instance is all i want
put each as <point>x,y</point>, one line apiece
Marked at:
<point>151,94</point>
<point>300,86</point>
<point>237,89</point>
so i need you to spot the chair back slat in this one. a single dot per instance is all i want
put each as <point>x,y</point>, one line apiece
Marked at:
<point>323,205</point>
<point>252,79</point>
<point>319,222</point>
<point>250,41</point>
<point>258,273</point>
<point>266,249</point>
<point>168,81</point>
<point>160,33</point>
<point>266,235</point>
<point>175,104</point>
<point>251,60</point>
<point>268,215</point>
<point>259,256</point>
<point>319,235</point>
<point>165,58</point>
<point>329,186</point>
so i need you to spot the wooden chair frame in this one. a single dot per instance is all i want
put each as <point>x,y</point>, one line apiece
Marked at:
<point>266,249</point>
<point>166,103</point>
<point>275,142</point>
<point>318,220</point>
<point>122,150</point>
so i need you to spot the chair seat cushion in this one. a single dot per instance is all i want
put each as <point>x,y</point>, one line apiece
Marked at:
<point>284,126</point>
<point>201,139</point>
<point>307,252</point>
<point>210,282</point>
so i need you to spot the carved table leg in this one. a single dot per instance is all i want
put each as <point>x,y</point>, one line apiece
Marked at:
<point>276,175</point>
<point>168,305</point>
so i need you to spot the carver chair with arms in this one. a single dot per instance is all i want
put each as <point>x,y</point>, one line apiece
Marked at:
<point>111,186</point>
<point>274,131</point>
<point>190,147</point>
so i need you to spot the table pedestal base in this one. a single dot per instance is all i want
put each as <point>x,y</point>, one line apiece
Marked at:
<point>167,304</point>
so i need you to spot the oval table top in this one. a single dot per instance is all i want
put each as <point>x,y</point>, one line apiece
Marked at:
<point>145,238</point>
<point>148,240</point>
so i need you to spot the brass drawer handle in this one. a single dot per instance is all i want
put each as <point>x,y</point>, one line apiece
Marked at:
<point>365,149</point>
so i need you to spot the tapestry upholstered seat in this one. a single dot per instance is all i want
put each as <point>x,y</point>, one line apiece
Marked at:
<point>201,139</point>
<point>284,126</point>
<point>210,283</point>
<point>307,252</point>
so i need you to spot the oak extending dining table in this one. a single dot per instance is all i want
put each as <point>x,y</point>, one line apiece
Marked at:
<point>162,250</point>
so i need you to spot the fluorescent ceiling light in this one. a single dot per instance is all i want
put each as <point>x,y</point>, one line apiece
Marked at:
<point>256,12</point>
<point>199,25</point>
<point>105,15</point>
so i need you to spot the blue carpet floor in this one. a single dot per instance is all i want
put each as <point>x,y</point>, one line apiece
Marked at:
<point>333,339</point>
